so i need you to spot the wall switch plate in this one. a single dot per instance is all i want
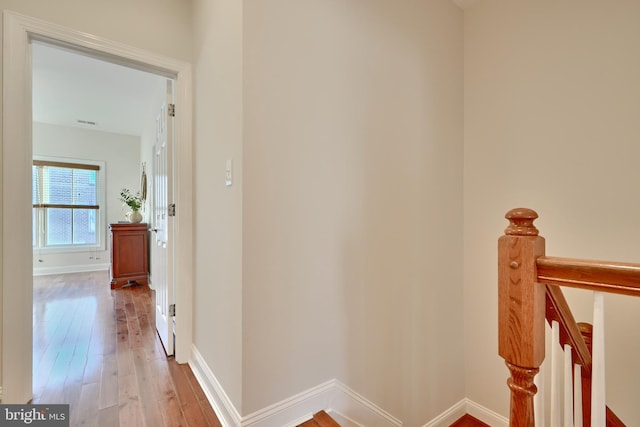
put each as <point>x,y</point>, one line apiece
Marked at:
<point>229,173</point>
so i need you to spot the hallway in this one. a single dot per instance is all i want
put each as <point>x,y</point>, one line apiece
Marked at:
<point>97,350</point>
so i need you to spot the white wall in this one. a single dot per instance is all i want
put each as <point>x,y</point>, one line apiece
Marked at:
<point>121,154</point>
<point>552,100</point>
<point>218,226</point>
<point>353,202</point>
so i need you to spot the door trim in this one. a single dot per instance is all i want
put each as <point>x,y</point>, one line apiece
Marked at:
<point>16,283</point>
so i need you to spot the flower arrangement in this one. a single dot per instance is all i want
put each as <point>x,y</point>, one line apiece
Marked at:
<point>134,201</point>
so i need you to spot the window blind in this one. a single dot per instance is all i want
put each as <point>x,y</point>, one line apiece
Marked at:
<point>66,203</point>
<point>65,185</point>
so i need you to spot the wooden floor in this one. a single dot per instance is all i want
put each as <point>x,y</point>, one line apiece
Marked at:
<point>321,419</point>
<point>97,350</point>
<point>469,421</point>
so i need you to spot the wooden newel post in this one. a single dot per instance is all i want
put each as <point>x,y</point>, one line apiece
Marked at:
<point>521,311</point>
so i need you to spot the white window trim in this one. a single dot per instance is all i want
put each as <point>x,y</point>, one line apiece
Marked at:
<point>100,245</point>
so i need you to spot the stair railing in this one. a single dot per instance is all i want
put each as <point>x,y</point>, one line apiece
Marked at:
<point>529,292</point>
<point>575,340</point>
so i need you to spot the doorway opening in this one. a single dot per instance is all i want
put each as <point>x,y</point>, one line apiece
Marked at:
<point>20,34</point>
<point>96,127</point>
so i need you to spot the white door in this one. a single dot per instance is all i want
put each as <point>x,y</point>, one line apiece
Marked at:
<point>162,224</point>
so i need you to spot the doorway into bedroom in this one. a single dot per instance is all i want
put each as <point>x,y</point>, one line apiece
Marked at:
<point>20,34</point>
<point>96,128</point>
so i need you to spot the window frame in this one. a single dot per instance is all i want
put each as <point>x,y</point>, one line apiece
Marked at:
<point>40,228</point>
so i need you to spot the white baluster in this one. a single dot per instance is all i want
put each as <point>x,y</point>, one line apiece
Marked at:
<point>556,375</point>
<point>577,395</point>
<point>568,387</point>
<point>598,405</point>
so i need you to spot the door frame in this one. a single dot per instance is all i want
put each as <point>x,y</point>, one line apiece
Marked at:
<point>16,271</point>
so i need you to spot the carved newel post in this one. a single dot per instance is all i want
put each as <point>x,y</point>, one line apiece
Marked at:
<point>521,311</point>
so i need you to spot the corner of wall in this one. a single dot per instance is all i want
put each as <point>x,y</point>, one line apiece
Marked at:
<point>342,403</point>
<point>346,405</point>
<point>222,405</point>
<point>467,406</point>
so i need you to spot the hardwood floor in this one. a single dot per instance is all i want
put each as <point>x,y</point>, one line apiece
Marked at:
<point>321,419</point>
<point>469,421</point>
<point>97,350</point>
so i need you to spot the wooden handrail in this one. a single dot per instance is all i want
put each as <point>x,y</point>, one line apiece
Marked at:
<point>612,277</point>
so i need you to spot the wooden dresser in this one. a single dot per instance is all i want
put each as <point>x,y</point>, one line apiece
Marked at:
<point>129,254</point>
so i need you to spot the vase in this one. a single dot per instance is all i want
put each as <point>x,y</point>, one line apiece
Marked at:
<point>134,216</point>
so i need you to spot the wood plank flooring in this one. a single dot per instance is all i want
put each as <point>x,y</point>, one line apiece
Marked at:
<point>469,421</point>
<point>321,419</point>
<point>97,350</point>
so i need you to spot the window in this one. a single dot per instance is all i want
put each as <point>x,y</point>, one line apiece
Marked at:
<point>66,204</point>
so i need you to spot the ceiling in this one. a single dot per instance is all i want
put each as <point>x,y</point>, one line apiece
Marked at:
<point>71,89</point>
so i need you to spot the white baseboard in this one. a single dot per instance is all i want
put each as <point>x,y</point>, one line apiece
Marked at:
<point>294,410</point>
<point>466,406</point>
<point>344,404</point>
<point>222,405</point>
<point>449,416</point>
<point>347,407</point>
<point>65,269</point>
<point>340,419</point>
<point>486,415</point>
<point>356,410</point>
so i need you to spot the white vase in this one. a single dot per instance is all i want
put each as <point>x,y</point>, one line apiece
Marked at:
<point>134,216</point>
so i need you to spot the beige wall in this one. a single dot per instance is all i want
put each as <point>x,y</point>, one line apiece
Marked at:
<point>552,100</point>
<point>304,267</point>
<point>353,202</point>
<point>218,209</point>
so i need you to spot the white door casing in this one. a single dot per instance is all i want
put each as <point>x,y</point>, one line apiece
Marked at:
<point>162,224</point>
<point>16,286</point>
